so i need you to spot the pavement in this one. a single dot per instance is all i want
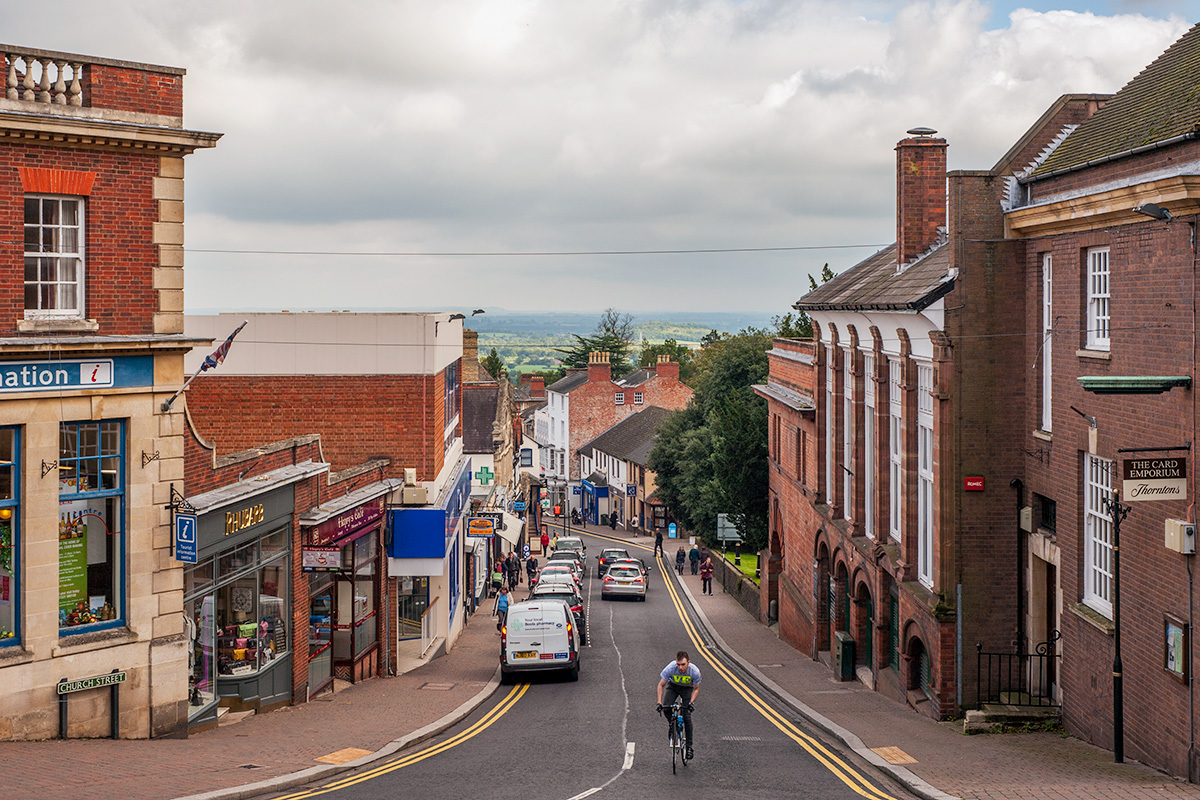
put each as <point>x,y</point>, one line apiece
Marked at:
<point>271,752</point>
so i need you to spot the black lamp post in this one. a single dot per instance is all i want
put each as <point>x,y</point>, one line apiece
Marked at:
<point>1119,512</point>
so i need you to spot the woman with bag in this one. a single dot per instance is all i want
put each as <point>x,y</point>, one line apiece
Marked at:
<point>706,575</point>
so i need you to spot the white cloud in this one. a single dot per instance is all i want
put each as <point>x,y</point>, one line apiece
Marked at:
<point>518,125</point>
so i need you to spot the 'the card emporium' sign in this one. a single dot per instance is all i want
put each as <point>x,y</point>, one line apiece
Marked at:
<point>1144,479</point>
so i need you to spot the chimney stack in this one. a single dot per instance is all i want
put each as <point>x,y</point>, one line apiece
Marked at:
<point>598,367</point>
<point>666,367</point>
<point>470,360</point>
<point>537,388</point>
<point>920,193</point>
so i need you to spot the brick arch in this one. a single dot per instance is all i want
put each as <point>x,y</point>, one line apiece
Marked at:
<point>776,544</point>
<point>914,645</point>
<point>852,335</point>
<point>864,622</point>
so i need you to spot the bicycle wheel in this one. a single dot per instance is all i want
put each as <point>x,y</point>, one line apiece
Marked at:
<point>674,740</point>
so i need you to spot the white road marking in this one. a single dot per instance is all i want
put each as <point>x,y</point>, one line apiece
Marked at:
<point>588,793</point>
<point>628,756</point>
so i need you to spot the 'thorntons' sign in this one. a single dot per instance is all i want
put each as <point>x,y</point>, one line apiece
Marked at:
<point>1144,479</point>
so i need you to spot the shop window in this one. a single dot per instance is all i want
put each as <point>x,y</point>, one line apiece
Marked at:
<point>53,256</point>
<point>10,552</point>
<point>320,630</point>
<point>91,524</point>
<point>357,585</point>
<point>236,615</point>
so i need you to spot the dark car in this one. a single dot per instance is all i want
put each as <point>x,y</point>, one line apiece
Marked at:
<point>569,594</point>
<point>568,557</point>
<point>606,557</point>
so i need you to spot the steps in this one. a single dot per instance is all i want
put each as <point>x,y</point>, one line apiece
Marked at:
<point>996,715</point>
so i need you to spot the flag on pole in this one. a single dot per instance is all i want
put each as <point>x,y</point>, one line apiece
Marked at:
<point>216,357</point>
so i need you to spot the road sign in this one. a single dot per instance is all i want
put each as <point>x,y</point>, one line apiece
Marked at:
<point>576,490</point>
<point>526,552</point>
<point>631,490</point>
<point>518,505</point>
<point>726,531</point>
<point>185,538</point>
<point>672,531</point>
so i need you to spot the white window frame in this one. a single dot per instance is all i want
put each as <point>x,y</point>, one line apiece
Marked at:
<point>1047,342</point>
<point>925,504</point>
<point>868,470</point>
<point>829,477</point>
<point>1097,540</point>
<point>619,398</point>
<point>1099,309</point>
<point>638,398</point>
<point>896,448</point>
<point>57,255</point>
<point>848,435</point>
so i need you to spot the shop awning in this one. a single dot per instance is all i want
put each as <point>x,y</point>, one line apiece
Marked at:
<point>513,526</point>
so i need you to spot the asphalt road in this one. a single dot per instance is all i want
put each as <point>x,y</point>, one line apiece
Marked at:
<point>601,737</point>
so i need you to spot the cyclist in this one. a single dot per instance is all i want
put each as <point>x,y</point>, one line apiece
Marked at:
<point>680,678</point>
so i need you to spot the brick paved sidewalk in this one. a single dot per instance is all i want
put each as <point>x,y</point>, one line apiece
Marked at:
<point>980,767</point>
<point>367,716</point>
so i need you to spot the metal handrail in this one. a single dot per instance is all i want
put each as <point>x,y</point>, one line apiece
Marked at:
<point>1019,679</point>
<point>429,627</point>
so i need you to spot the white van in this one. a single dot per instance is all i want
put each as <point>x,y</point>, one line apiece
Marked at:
<point>539,635</point>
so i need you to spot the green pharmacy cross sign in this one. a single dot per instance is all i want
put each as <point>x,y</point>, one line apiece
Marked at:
<point>484,476</point>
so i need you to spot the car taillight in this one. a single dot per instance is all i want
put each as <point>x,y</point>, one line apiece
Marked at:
<point>609,578</point>
<point>503,636</point>
<point>577,609</point>
<point>637,580</point>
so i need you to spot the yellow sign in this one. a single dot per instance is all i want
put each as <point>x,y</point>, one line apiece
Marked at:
<point>238,520</point>
<point>481,526</point>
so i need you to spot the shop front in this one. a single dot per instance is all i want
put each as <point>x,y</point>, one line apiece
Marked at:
<point>595,499</point>
<point>237,597</point>
<point>341,559</point>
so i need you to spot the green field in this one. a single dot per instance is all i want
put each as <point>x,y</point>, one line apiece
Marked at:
<point>533,351</point>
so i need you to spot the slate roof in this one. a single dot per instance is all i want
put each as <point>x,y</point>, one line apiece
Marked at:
<point>637,377</point>
<point>874,284</point>
<point>478,418</point>
<point>572,380</point>
<point>1160,103</point>
<point>632,438</point>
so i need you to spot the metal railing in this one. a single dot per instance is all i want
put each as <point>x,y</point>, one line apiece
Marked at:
<point>1019,679</point>
<point>430,629</point>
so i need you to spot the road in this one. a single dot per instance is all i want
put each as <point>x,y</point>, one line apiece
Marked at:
<point>600,737</point>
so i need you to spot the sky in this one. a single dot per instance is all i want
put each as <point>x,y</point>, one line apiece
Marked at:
<point>496,153</point>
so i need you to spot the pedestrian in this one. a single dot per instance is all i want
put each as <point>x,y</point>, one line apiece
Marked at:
<point>680,557</point>
<point>514,570</point>
<point>531,568</point>
<point>612,522</point>
<point>694,557</point>
<point>502,607</point>
<point>704,554</point>
<point>497,576</point>
<point>658,548</point>
<point>706,573</point>
<point>554,542</point>
<point>545,541</point>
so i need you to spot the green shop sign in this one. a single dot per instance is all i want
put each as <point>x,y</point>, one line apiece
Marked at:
<point>72,570</point>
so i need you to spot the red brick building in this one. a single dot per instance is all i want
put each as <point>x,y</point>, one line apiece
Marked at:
<point>1105,226</point>
<point>91,343</point>
<point>892,511</point>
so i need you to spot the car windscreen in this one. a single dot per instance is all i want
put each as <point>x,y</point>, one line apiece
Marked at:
<point>625,572</point>
<point>609,555</point>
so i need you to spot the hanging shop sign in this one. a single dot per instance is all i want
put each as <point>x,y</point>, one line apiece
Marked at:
<point>1145,479</point>
<point>481,527</point>
<point>346,523</point>
<point>321,559</point>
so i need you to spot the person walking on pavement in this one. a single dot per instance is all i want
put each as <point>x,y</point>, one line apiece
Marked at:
<point>706,573</point>
<point>680,557</point>
<point>514,570</point>
<point>531,568</point>
<point>658,548</point>
<point>704,554</point>
<point>545,541</point>
<point>612,522</point>
<point>502,607</point>
<point>694,557</point>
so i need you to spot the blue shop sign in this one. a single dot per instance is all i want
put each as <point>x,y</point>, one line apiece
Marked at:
<point>185,538</point>
<point>76,373</point>
<point>427,531</point>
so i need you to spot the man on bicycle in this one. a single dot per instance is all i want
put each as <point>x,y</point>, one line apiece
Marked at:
<point>680,678</point>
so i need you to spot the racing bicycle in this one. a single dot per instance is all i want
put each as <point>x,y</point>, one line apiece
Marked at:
<point>675,733</point>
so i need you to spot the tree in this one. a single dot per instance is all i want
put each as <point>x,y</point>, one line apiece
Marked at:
<point>648,356</point>
<point>798,325</point>
<point>711,457</point>
<point>494,364</point>
<point>613,335</point>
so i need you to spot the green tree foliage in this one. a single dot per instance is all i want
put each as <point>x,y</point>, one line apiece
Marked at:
<point>797,325</point>
<point>613,335</point>
<point>712,457</point>
<point>648,356</point>
<point>494,364</point>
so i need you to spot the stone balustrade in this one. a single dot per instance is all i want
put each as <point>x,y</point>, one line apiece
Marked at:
<point>41,79</point>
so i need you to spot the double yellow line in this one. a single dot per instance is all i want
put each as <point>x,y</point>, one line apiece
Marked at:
<point>404,761</point>
<point>826,757</point>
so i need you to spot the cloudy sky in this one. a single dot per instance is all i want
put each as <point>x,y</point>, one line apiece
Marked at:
<point>507,128</point>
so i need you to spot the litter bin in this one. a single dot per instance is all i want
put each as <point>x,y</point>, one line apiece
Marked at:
<point>843,656</point>
<point>604,519</point>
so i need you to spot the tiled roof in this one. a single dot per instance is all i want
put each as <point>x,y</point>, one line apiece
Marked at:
<point>572,380</point>
<point>874,284</point>
<point>632,438</point>
<point>637,377</point>
<point>1160,103</point>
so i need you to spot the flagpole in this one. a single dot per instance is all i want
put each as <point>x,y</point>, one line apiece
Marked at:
<point>223,349</point>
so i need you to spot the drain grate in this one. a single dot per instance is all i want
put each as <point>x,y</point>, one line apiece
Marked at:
<point>437,687</point>
<point>741,739</point>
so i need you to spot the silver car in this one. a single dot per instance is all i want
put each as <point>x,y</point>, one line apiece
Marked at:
<point>624,579</point>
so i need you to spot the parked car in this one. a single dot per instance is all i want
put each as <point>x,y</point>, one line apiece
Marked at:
<point>547,574</point>
<point>569,594</point>
<point>606,557</point>
<point>539,635</point>
<point>571,543</point>
<point>570,557</point>
<point>624,578</point>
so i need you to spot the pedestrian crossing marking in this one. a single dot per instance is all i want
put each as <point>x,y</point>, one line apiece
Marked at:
<point>894,755</point>
<point>344,756</point>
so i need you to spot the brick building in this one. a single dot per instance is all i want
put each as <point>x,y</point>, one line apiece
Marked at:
<point>587,402</point>
<point>621,456</point>
<point>375,387</point>
<point>91,344</point>
<point>895,524</point>
<point>1105,222</point>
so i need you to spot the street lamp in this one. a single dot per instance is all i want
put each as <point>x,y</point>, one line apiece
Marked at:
<point>1119,512</point>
